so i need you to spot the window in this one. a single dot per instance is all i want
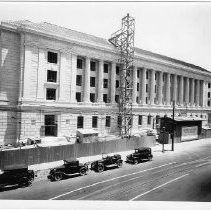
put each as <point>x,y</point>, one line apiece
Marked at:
<point>117,83</point>
<point>108,121</point>
<point>155,76</point>
<point>163,77</point>
<point>51,76</point>
<point>50,125</point>
<point>117,98</point>
<point>80,122</point>
<point>52,57</point>
<point>94,121</point>
<point>146,100</point>
<point>119,121</point>
<point>137,86</point>
<point>140,120</point>
<point>137,99</point>
<point>146,88</point>
<point>117,70</point>
<point>92,66</point>
<point>147,75</point>
<point>208,94</point>
<point>78,96</point>
<point>105,83</point>
<point>92,81</point>
<point>105,68</point>
<point>155,88</point>
<point>149,118</point>
<point>92,97</point>
<point>208,103</point>
<point>105,98</point>
<point>51,94</point>
<point>79,63</point>
<point>209,85</point>
<point>79,80</point>
<point>138,73</point>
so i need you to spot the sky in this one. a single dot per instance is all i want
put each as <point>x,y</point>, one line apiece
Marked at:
<point>180,30</point>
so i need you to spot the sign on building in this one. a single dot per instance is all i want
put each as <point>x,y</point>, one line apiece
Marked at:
<point>189,133</point>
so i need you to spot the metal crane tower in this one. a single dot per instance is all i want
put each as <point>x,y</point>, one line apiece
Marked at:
<point>123,40</point>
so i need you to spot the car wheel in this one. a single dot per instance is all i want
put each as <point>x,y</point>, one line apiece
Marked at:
<point>100,168</point>
<point>24,182</point>
<point>135,161</point>
<point>149,158</point>
<point>119,164</point>
<point>83,171</point>
<point>57,176</point>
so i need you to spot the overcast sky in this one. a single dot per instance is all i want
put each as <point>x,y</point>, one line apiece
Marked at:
<point>179,30</point>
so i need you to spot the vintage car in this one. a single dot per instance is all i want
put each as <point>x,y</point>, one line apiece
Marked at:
<point>20,177</point>
<point>69,168</point>
<point>106,161</point>
<point>140,154</point>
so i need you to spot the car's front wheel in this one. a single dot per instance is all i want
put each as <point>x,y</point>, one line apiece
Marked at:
<point>119,164</point>
<point>57,176</point>
<point>135,161</point>
<point>100,168</point>
<point>83,171</point>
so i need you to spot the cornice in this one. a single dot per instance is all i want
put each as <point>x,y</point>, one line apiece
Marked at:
<point>99,47</point>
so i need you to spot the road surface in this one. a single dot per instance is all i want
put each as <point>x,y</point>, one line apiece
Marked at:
<point>170,176</point>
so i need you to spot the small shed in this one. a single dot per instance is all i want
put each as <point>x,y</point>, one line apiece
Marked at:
<point>185,128</point>
<point>86,135</point>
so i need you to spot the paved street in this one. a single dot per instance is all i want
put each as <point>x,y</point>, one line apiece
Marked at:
<point>183,175</point>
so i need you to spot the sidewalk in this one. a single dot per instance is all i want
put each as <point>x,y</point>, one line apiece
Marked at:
<point>43,169</point>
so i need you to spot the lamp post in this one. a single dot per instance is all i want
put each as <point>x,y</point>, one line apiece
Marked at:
<point>173,127</point>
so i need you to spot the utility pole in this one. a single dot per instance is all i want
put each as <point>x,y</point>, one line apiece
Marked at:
<point>173,127</point>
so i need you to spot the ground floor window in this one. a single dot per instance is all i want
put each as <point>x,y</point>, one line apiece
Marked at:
<point>149,119</point>
<point>50,125</point>
<point>140,120</point>
<point>108,121</point>
<point>80,122</point>
<point>94,121</point>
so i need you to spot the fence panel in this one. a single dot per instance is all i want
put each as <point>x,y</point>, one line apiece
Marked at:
<point>23,157</point>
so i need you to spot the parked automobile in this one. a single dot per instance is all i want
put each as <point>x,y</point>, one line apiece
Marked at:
<point>21,177</point>
<point>69,168</point>
<point>140,154</point>
<point>107,161</point>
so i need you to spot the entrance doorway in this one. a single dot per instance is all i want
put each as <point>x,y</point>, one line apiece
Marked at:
<point>50,125</point>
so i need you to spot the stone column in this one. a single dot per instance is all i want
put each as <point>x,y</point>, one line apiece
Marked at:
<point>160,88</point>
<point>197,92</point>
<point>175,88</point>
<point>143,87</point>
<point>73,78</point>
<point>181,91</point>
<point>168,99</point>
<point>192,92</point>
<point>100,82</point>
<point>152,87</point>
<point>187,91</point>
<point>87,81</point>
<point>202,93</point>
<point>134,85</point>
<point>41,73</point>
<point>113,82</point>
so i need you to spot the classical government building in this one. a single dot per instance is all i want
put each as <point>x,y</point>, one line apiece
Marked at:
<point>54,80</point>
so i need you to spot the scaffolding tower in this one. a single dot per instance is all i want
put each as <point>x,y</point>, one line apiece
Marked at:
<point>123,40</point>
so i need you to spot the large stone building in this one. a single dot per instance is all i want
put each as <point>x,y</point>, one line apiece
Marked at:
<point>54,80</point>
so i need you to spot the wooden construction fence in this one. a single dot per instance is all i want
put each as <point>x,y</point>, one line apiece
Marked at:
<point>16,158</point>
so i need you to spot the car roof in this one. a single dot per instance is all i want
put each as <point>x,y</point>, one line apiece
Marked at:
<point>142,148</point>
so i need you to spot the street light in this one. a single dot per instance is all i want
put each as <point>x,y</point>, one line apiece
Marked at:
<point>173,127</point>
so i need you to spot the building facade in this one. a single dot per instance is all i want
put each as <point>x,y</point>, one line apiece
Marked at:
<point>55,80</point>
